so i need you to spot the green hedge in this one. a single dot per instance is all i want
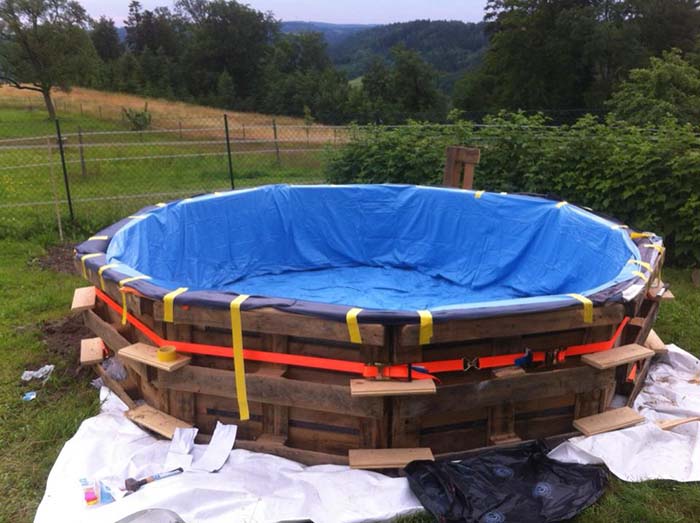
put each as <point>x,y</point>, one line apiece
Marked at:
<point>650,179</point>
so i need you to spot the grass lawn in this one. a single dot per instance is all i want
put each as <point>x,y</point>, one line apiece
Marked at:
<point>32,433</point>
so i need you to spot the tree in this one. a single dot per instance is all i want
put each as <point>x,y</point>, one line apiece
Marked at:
<point>44,44</point>
<point>669,87</point>
<point>157,29</point>
<point>228,36</point>
<point>225,91</point>
<point>105,38</point>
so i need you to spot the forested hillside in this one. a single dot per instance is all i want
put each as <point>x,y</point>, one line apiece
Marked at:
<point>333,34</point>
<point>448,46</point>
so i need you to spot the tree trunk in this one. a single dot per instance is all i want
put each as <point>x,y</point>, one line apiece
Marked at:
<point>49,103</point>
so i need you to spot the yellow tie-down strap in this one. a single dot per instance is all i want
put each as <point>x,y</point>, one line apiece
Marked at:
<point>353,326</point>
<point>238,361</point>
<point>123,292</point>
<point>655,246</point>
<point>87,257</point>
<point>478,194</point>
<point>426,327</point>
<point>637,235</point>
<point>169,303</point>
<point>103,269</point>
<point>587,307</point>
<point>641,275</point>
<point>641,263</point>
<point>562,204</point>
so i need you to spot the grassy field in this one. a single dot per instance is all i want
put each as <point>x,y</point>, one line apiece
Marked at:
<point>113,171</point>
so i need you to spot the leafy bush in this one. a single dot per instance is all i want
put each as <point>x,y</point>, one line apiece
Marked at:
<point>139,120</point>
<point>648,179</point>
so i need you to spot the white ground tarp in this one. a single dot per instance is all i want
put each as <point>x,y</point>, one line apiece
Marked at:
<point>644,452</point>
<point>251,487</point>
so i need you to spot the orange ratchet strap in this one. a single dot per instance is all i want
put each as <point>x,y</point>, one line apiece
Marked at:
<point>422,370</point>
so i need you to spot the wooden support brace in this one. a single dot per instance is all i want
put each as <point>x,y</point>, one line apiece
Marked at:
<point>115,387</point>
<point>459,166</point>
<point>611,420</point>
<point>501,428</point>
<point>617,356</point>
<point>669,424</point>
<point>83,299</point>
<point>155,420</point>
<point>362,387</point>
<point>387,458</point>
<point>91,351</point>
<point>654,342</point>
<point>148,355</point>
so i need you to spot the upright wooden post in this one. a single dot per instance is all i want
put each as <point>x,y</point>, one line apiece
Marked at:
<point>83,170</point>
<point>277,144</point>
<point>459,166</point>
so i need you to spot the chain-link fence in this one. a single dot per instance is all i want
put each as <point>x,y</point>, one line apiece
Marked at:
<point>54,176</point>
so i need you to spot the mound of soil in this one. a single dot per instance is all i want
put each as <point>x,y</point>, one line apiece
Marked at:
<point>58,258</point>
<point>63,337</point>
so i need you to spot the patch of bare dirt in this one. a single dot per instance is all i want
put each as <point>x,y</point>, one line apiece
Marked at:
<point>63,337</point>
<point>58,258</point>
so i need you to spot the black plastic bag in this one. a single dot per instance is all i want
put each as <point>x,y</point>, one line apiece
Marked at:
<point>518,484</point>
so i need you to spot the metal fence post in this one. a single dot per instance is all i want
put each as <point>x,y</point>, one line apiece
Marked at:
<point>83,169</point>
<point>65,171</point>
<point>228,151</point>
<point>53,190</point>
<point>277,144</point>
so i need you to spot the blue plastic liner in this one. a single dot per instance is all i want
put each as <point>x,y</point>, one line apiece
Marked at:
<point>386,248</point>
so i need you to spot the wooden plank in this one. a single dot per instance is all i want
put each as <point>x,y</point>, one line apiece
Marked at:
<point>660,292</point>
<point>611,420</point>
<point>104,330</point>
<point>669,424</point>
<point>391,388</point>
<point>508,372</point>
<point>148,354</point>
<point>274,445</point>
<point>487,393</point>
<point>83,299</point>
<point>115,387</point>
<point>91,351</point>
<point>271,321</point>
<point>387,458</point>
<point>617,356</point>
<point>276,390</point>
<point>155,420</point>
<point>655,343</point>
<point>514,325</point>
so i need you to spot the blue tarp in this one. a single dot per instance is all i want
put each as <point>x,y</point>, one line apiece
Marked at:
<point>389,247</point>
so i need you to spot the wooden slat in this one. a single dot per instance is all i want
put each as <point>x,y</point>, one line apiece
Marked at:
<point>611,420</point>
<point>148,354</point>
<point>518,325</point>
<point>275,390</point>
<point>669,424</point>
<point>391,388</point>
<point>654,342</point>
<point>271,321</point>
<point>617,356</point>
<point>155,420</point>
<point>104,330</point>
<point>83,299</point>
<point>508,372</point>
<point>115,387</point>
<point>386,458</point>
<point>91,351</point>
<point>667,295</point>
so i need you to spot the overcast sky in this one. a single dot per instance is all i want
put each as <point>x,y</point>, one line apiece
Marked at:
<point>335,11</point>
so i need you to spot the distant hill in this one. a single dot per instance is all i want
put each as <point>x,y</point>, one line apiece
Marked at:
<point>451,47</point>
<point>333,33</point>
